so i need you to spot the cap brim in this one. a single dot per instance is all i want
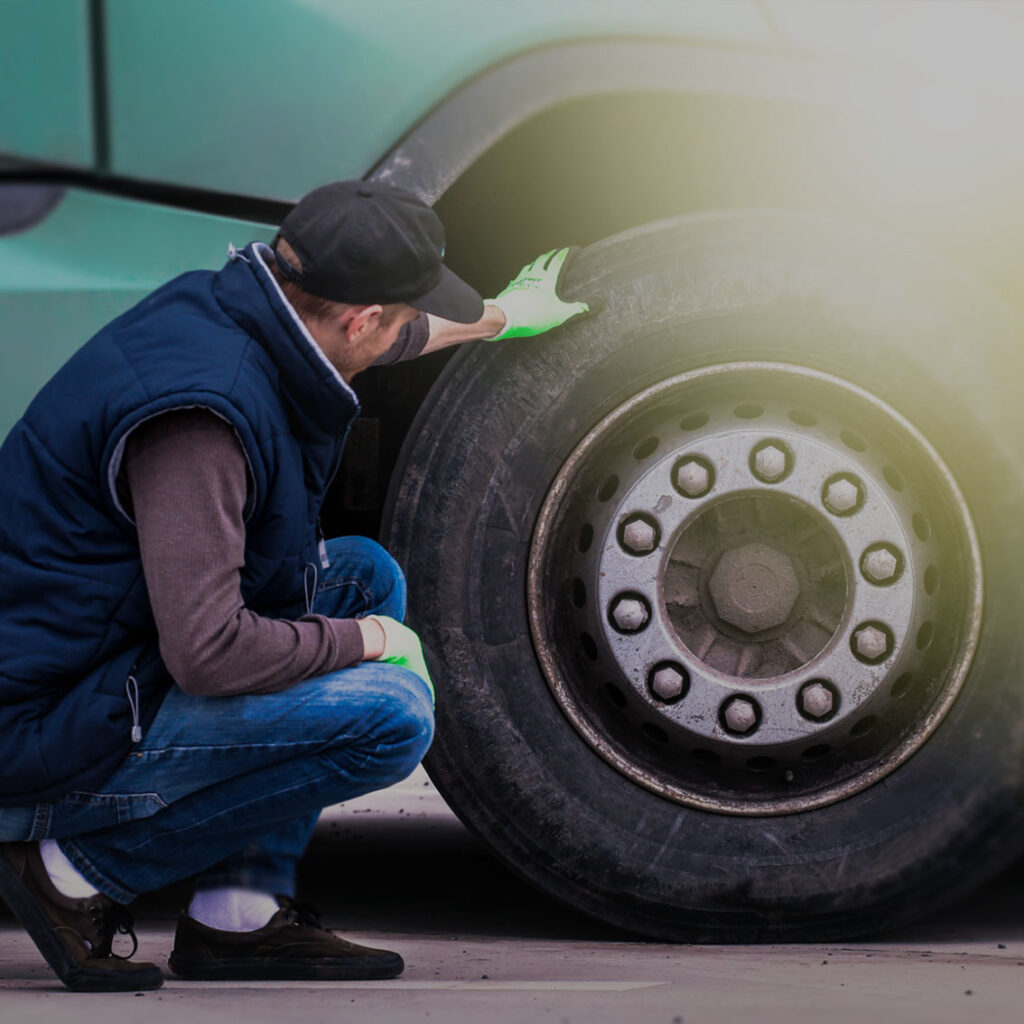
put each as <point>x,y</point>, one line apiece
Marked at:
<point>452,299</point>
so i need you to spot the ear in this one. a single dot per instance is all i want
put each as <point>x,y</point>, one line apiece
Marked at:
<point>356,319</point>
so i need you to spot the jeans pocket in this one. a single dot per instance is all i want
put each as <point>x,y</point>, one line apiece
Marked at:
<point>79,813</point>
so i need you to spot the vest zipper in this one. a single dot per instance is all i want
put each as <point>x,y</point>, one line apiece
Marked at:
<point>131,688</point>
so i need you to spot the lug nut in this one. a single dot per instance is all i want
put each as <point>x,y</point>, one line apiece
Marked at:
<point>817,701</point>
<point>843,494</point>
<point>740,715</point>
<point>881,563</point>
<point>630,613</point>
<point>668,682</point>
<point>638,535</point>
<point>693,476</point>
<point>770,461</point>
<point>872,642</point>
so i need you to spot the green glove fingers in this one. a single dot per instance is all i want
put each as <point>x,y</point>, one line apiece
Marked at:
<point>402,647</point>
<point>530,301</point>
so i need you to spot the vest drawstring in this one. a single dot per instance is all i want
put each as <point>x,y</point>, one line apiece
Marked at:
<point>310,589</point>
<point>325,562</point>
<point>131,688</point>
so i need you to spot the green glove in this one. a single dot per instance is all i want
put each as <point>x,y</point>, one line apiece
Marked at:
<point>402,647</point>
<point>530,302</point>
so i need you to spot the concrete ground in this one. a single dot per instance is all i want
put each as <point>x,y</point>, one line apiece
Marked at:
<point>398,870</point>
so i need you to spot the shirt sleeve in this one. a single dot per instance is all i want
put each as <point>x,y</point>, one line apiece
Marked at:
<point>187,479</point>
<point>412,339</point>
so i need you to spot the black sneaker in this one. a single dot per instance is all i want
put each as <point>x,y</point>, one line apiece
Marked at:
<point>292,945</point>
<point>74,935</point>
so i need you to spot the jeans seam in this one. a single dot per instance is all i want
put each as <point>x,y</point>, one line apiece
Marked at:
<point>365,595</point>
<point>83,798</point>
<point>199,823</point>
<point>40,822</point>
<point>148,755</point>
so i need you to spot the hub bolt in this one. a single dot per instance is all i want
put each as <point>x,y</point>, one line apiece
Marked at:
<point>740,715</point>
<point>693,476</point>
<point>843,494</point>
<point>638,535</point>
<point>754,587</point>
<point>881,563</point>
<point>872,642</point>
<point>668,682</point>
<point>770,461</point>
<point>817,701</point>
<point>630,613</point>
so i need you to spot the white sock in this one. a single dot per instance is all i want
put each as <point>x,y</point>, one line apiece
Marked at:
<point>63,873</point>
<point>232,910</point>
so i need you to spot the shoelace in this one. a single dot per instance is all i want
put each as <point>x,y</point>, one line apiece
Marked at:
<point>301,912</point>
<point>110,922</point>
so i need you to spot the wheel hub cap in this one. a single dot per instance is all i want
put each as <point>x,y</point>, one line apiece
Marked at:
<point>754,587</point>
<point>740,608</point>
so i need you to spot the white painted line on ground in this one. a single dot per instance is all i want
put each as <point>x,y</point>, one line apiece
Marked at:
<point>435,986</point>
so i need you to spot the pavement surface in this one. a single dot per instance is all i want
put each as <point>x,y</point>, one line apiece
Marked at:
<point>398,870</point>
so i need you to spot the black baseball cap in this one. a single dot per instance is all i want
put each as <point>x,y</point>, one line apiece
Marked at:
<point>366,242</point>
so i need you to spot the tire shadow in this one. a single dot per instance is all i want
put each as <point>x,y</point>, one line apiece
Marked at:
<point>429,875</point>
<point>432,876</point>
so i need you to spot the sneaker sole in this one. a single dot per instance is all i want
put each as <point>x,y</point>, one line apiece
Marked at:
<point>269,968</point>
<point>41,931</point>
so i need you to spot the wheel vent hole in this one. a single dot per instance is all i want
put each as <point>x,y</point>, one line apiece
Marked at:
<point>864,726</point>
<point>803,417</point>
<point>815,753</point>
<point>579,593</point>
<point>615,695</point>
<point>609,485</point>
<point>762,764</point>
<point>922,527</point>
<point>893,477</point>
<point>924,635</point>
<point>931,580</point>
<point>703,756</point>
<point>652,732</point>
<point>748,411</point>
<point>902,686</point>
<point>646,448</point>
<point>588,646</point>
<point>854,441</point>
<point>693,421</point>
<point>584,538</point>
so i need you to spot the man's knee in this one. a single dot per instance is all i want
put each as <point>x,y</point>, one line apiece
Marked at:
<point>396,729</point>
<point>411,721</point>
<point>365,564</point>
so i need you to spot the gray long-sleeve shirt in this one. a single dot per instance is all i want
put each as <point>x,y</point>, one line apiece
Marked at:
<point>187,481</point>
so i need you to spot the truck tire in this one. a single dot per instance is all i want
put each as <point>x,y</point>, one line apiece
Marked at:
<point>722,586</point>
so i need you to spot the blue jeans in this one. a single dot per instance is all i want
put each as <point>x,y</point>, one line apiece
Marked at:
<point>229,788</point>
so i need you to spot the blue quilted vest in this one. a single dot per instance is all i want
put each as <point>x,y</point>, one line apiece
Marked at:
<point>80,670</point>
